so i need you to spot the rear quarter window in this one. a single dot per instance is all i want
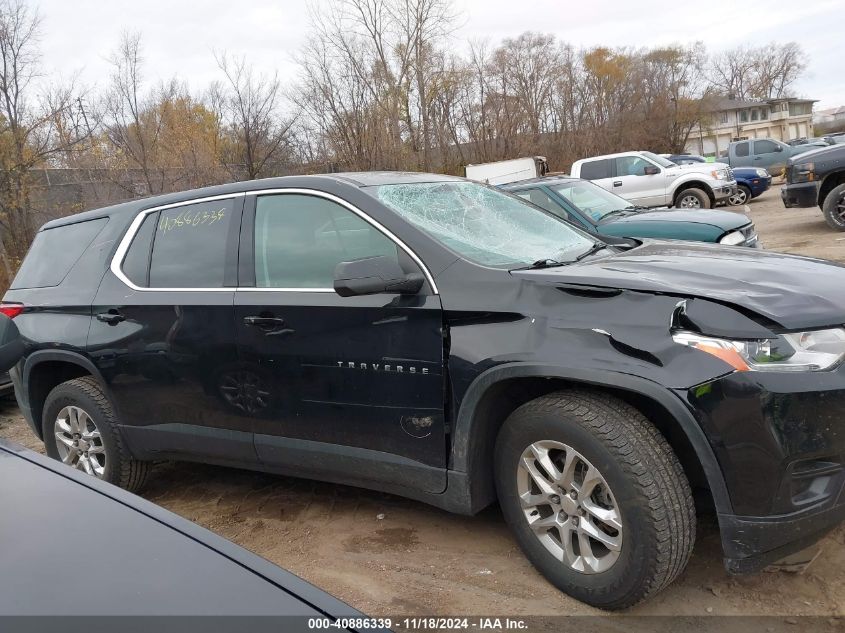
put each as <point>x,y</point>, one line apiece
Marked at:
<point>54,252</point>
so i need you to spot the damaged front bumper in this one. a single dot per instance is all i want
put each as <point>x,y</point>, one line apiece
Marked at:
<point>780,441</point>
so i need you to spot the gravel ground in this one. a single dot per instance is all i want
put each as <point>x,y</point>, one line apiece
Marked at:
<point>387,556</point>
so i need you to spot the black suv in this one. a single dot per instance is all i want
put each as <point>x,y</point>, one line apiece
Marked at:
<point>443,340</point>
<point>817,178</point>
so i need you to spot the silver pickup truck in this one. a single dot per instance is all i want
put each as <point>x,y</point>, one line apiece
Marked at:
<point>649,180</point>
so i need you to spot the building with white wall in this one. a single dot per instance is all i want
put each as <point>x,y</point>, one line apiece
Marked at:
<point>733,119</point>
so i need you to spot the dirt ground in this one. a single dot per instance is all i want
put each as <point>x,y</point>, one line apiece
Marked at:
<point>388,556</point>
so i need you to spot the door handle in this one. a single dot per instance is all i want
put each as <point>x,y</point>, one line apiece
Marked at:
<point>112,317</point>
<point>617,183</point>
<point>264,322</point>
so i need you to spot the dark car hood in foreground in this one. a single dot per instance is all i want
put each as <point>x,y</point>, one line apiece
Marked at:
<point>75,546</point>
<point>793,292</point>
<point>725,220</point>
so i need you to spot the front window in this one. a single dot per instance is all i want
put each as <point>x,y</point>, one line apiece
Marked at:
<point>658,159</point>
<point>483,224</point>
<point>591,199</point>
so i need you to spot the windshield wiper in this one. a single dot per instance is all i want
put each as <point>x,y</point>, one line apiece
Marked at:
<point>625,211</point>
<point>595,248</point>
<point>544,263</point>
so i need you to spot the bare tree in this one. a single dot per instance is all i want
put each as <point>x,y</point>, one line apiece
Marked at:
<point>30,123</point>
<point>759,72</point>
<point>249,106</point>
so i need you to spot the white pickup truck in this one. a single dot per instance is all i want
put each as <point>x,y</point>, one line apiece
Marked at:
<point>649,180</point>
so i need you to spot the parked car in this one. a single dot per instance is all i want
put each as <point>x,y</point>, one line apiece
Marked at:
<point>647,180</point>
<point>146,560</point>
<point>765,153</point>
<point>684,159</point>
<point>750,182</point>
<point>447,341</point>
<point>835,138</point>
<point>588,206</point>
<point>505,171</point>
<point>817,178</point>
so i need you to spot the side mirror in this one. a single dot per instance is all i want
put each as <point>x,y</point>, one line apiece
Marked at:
<point>374,275</point>
<point>11,345</point>
<point>778,148</point>
<point>651,170</point>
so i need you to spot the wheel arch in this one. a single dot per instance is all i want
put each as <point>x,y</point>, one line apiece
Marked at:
<point>693,183</point>
<point>830,182</point>
<point>497,392</point>
<point>45,369</point>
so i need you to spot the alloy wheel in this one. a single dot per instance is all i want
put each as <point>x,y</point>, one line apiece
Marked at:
<point>79,442</point>
<point>569,506</point>
<point>690,202</point>
<point>839,209</point>
<point>738,198</point>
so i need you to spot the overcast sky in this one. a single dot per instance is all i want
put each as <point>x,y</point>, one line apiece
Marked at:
<point>179,36</point>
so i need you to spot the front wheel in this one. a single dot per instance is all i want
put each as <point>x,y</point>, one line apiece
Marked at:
<point>742,195</point>
<point>692,199</point>
<point>834,208</point>
<point>595,497</point>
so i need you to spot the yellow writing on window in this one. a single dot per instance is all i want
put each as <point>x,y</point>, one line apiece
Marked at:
<point>190,219</point>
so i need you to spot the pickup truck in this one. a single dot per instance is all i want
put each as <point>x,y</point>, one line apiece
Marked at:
<point>649,180</point>
<point>766,153</point>
<point>817,178</point>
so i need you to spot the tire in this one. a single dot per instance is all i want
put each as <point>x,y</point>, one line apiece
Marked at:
<point>742,195</point>
<point>834,208</point>
<point>108,459</point>
<point>641,479</point>
<point>692,197</point>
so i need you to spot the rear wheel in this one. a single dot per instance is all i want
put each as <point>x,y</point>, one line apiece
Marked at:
<point>692,199</point>
<point>742,195</point>
<point>595,497</point>
<point>834,208</point>
<point>80,429</point>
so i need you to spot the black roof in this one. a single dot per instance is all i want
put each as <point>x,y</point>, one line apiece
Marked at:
<point>357,179</point>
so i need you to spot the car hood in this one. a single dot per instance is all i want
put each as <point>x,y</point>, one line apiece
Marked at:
<point>700,168</point>
<point>724,220</point>
<point>813,154</point>
<point>790,291</point>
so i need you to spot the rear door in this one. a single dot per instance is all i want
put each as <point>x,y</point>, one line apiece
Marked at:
<point>342,388</point>
<point>600,171</point>
<point>162,333</point>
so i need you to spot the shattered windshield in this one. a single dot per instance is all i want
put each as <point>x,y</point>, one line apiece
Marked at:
<point>483,224</point>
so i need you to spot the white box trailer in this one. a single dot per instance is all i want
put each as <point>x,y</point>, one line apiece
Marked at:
<point>505,171</point>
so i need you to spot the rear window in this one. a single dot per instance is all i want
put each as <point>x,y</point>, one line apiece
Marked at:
<point>741,149</point>
<point>54,252</point>
<point>595,169</point>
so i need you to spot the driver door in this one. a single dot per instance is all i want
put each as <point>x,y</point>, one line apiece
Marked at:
<point>346,389</point>
<point>632,183</point>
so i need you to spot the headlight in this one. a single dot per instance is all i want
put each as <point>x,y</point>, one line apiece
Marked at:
<point>817,350</point>
<point>805,172</point>
<point>762,173</point>
<point>719,174</point>
<point>733,238</point>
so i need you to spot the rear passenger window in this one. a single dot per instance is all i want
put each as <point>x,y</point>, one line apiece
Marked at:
<point>596,169</point>
<point>189,245</point>
<point>54,252</point>
<point>741,149</point>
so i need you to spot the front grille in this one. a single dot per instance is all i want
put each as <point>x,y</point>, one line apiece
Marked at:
<point>750,235</point>
<point>731,174</point>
